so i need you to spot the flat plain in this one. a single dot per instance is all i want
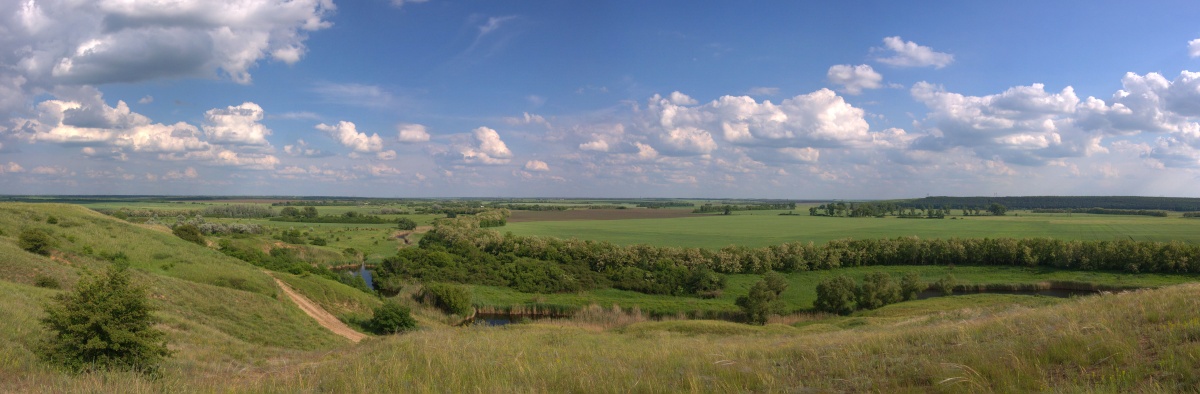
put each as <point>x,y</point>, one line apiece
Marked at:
<point>764,228</point>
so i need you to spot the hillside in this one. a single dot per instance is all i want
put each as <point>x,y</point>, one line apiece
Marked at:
<point>221,315</point>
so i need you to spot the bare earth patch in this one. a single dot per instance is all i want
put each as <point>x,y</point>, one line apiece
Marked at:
<point>320,315</point>
<point>597,214</point>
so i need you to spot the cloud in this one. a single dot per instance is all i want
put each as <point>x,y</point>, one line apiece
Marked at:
<point>355,94</point>
<point>301,149</point>
<point>493,23</point>
<point>236,125</point>
<point>1194,48</point>
<point>61,43</point>
<point>485,147</point>
<point>818,119</point>
<point>536,165</point>
<point>854,79</point>
<point>88,121</point>
<point>11,168</point>
<point>297,115</point>
<point>763,91</point>
<point>528,118</point>
<point>909,54</point>
<point>147,99</point>
<point>411,133</point>
<point>188,173</point>
<point>401,3</point>
<point>347,135</point>
<point>51,170</point>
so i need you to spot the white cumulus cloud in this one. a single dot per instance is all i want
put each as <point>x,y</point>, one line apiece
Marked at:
<point>236,125</point>
<point>537,165</point>
<point>854,79</point>
<point>347,134</point>
<point>411,133</point>
<point>909,54</point>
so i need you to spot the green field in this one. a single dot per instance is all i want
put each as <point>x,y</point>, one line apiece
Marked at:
<point>763,228</point>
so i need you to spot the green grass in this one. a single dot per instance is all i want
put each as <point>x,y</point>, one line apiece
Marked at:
<point>764,228</point>
<point>350,305</point>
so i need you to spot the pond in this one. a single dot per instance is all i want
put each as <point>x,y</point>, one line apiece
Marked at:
<point>361,272</point>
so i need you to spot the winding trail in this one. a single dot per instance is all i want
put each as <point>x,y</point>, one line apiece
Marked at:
<point>320,315</point>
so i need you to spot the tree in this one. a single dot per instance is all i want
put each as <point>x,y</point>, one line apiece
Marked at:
<point>878,289</point>
<point>945,285</point>
<point>190,233</point>
<point>764,299</point>
<point>997,209</point>
<point>308,212</point>
<point>392,318</point>
<point>911,286</point>
<point>106,323</point>
<point>452,299</point>
<point>836,295</point>
<point>289,212</point>
<point>406,224</point>
<point>35,240</point>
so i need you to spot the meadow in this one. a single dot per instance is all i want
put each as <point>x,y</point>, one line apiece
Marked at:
<point>231,329</point>
<point>764,228</point>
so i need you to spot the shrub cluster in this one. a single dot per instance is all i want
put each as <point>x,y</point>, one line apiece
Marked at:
<point>452,299</point>
<point>106,323</point>
<point>391,318</point>
<point>764,299</point>
<point>35,240</point>
<point>841,295</point>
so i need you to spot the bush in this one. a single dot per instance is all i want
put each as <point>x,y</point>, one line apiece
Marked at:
<point>945,285</point>
<point>47,282</point>
<point>391,318</point>
<point>764,299</point>
<point>452,299</point>
<point>878,289</point>
<point>836,295</point>
<point>190,233</point>
<point>911,286</point>
<point>36,240</point>
<point>106,323</point>
<point>406,224</point>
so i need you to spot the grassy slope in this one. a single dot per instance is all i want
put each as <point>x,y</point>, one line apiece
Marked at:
<point>1144,341</point>
<point>221,314</point>
<point>763,228</point>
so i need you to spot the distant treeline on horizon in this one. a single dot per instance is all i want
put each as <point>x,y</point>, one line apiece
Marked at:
<point>1178,204</point>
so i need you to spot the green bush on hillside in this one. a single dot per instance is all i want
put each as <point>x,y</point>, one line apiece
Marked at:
<point>452,299</point>
<point>190,233</point>
<point>836,295</point>
<point>106,323</point>
<point>911,286</point>
<point>945,285</point>
<point>36,240</point>
<point>764,299</point>
<point>878,289</point>
<point>392,318</point>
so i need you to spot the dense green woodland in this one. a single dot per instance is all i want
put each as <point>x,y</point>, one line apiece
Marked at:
<point>459,250</point>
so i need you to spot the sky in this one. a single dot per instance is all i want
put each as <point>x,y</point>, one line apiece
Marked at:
<point>705,99</point>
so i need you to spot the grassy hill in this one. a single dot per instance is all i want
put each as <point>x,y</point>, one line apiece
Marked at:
<point>221,314</point>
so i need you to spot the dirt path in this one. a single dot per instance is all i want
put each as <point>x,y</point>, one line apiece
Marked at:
<point>323,318</point>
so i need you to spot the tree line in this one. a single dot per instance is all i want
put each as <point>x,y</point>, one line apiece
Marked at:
<point>1177,204</point>
<point>1106,211</point>
<point>603,256</point>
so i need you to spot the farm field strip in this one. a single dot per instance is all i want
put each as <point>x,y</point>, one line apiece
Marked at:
<point>757,229</point>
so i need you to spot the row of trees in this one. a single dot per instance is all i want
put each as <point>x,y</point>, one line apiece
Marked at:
<point>1179,204</point>
<point>726,208</point>
<point>1106,211</point>
<point>886,208</point>
<point>601,256</point>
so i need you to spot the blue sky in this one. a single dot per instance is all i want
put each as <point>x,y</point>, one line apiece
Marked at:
<point>599,99</point>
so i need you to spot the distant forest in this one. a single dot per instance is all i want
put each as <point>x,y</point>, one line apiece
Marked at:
<point>1179,204</point>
